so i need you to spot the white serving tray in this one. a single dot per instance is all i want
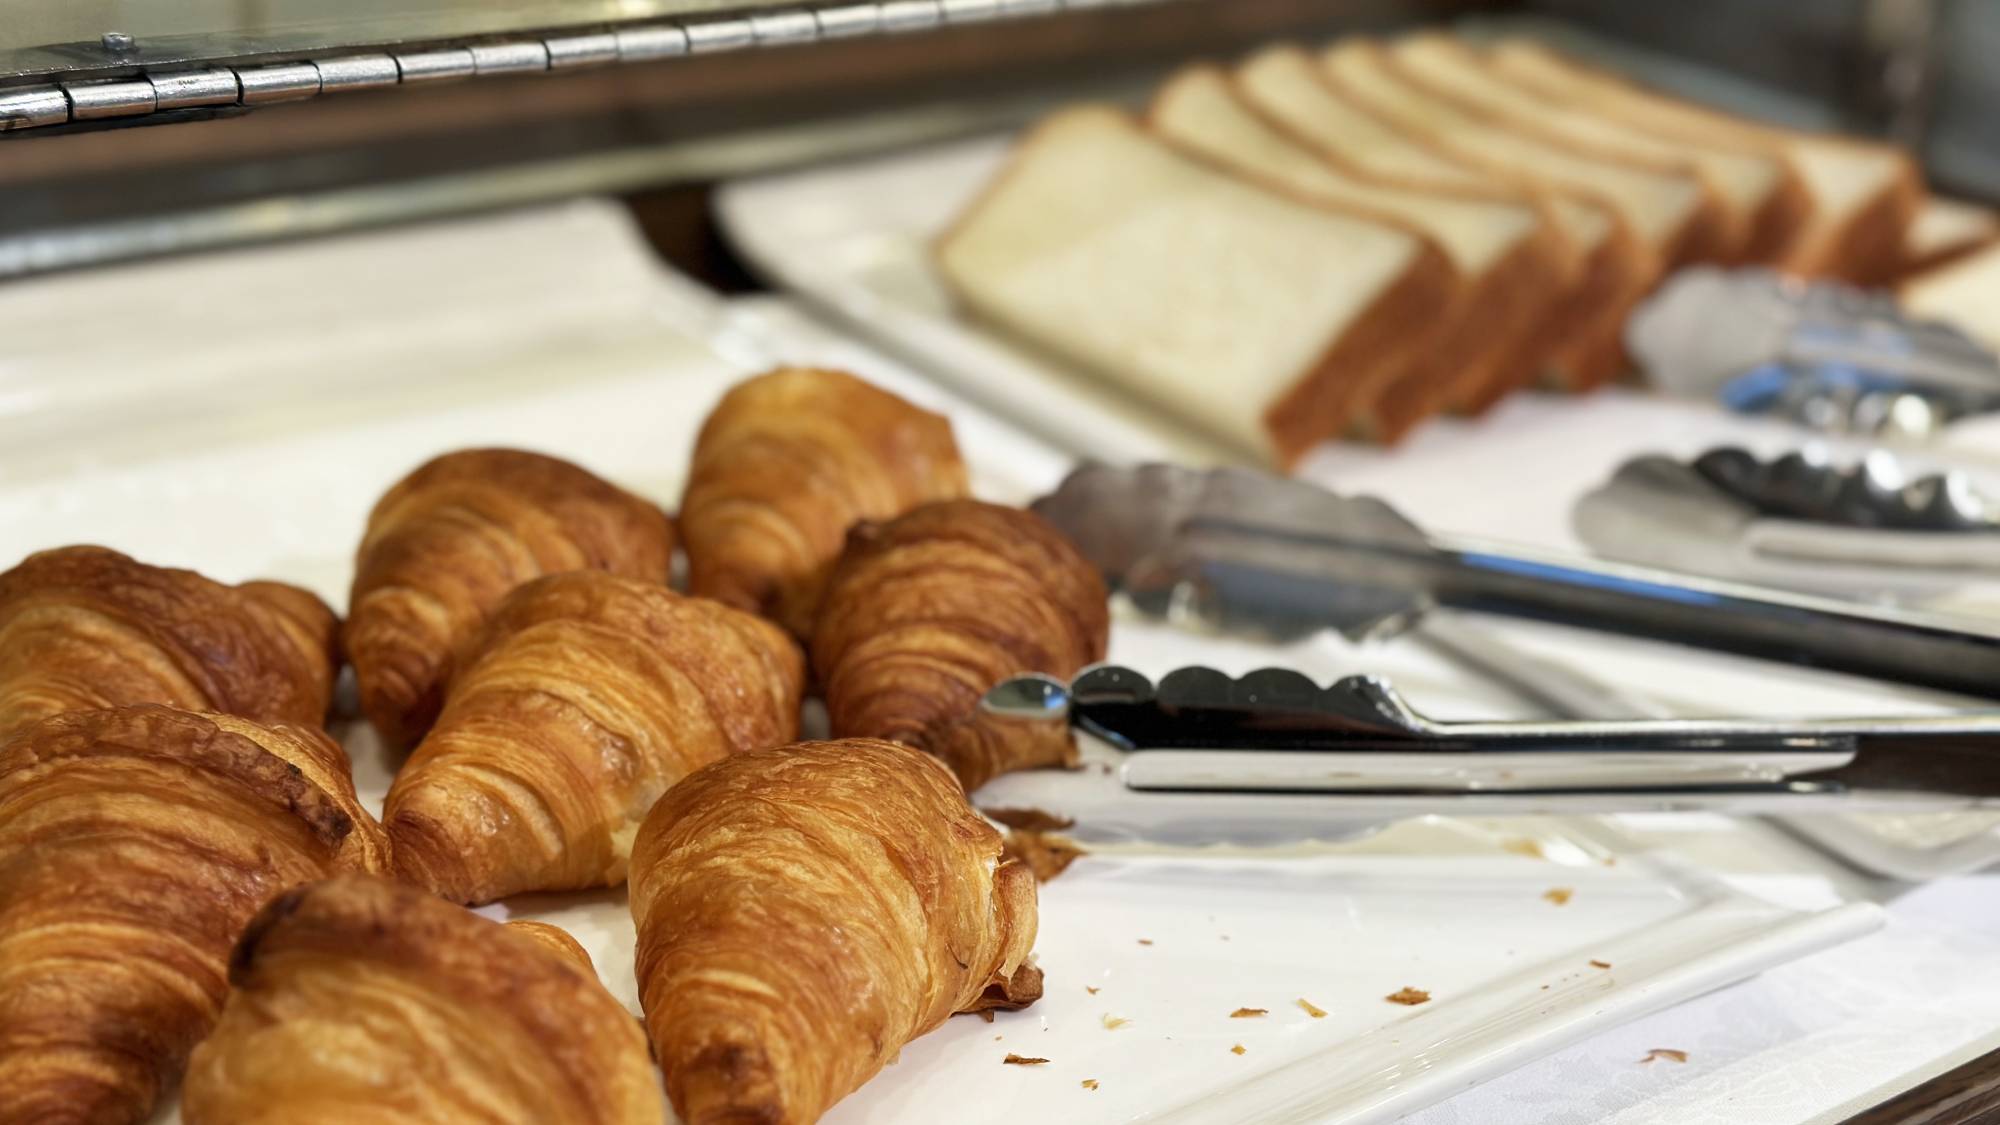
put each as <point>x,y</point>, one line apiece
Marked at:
<point>853,240</point>
<point>270,472</point>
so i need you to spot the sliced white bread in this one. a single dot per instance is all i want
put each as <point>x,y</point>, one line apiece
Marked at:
<point>1286,85</point>
<point>1965,293</point>
<point>1762,197</point>
<point>1946,230</point>
<point>1864,194</point>
<point>1265,320</point>
<point>1672,209</point>
<point>1512,259</point>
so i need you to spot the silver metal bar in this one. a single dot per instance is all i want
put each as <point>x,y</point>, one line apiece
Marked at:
<point>509,58</point>
<point>267,85</point>
<point>719,35</point>
<point>778,28</point>
<point>436,66</point>
<point>32,106</point>
<point>656,41</point>
<point>89,101</point>
<point>194,88</point>
<point>970,11</point>
<point>848,20</point>
<point>569,52</point>
<point>357,72</point>
<point>258,85</point>
<point>910,15</point>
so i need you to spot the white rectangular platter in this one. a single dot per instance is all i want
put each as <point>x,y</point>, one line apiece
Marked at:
<point>854,240</point>
<point>256,440</point>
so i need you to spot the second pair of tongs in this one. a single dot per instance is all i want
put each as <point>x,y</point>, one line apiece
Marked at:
<point>1236,549</point>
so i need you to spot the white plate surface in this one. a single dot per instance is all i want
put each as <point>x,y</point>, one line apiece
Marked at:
<point>272,470</point>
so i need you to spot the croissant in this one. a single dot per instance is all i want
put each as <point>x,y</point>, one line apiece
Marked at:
<point>590,695</point>
<point>83,628</point>
<point>135,844</point>
<point>785,464</point>
<point>362,1000</point>
<point>447,542</point>
<point>927,612</point>
<point>806,910</point>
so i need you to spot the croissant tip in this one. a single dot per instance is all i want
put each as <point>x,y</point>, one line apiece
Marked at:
<point>727,1084</point>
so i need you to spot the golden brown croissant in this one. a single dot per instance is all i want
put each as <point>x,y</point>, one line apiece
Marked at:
<point>86,627</point>
<point>589,695</point>
<point>928,611</point>
<point>135,844</point>
<point>360,1000</point>
<point>447,542</point>
<point>785,464</point>
<point>804,911</point>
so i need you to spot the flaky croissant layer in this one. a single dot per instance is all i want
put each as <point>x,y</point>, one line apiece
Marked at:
<point>83,628</point>
<point>928,611</point>
<point>445,544</point>
<point>588,696</point>
<point>784,465</point>
<point>358,1000</point>
<point>806,910</point>
<point>134,845</point>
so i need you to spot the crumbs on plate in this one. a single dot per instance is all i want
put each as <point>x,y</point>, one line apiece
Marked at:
<point>1013,1059</point>
<point>1248,1013</point>
<point>1092,989</point>
<point>1145,941</point>
<point>1034,820</point>
<point>1658,1053</point>
<point>1409,996</point>
<point>1559,895</point>
<point>1044,853</point>
<point>1521,845</point>
<point>986,1014</point>
<point>1312,1009</point>
<point>1596,964</point>
<point>1238,1049</point>
<point>1090,1083</point>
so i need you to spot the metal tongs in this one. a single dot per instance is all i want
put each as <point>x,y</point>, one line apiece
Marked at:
<point>1805,520</point>
<point>1236,549</point>
<point>1827,355</point>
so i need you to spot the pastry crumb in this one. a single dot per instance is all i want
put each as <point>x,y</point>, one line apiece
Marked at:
<point>1596,964</point>
<point>1044,853</point>
<point>1034,820</point>
<point>1559,895</point>
<point>1013,1059</point>
<point>1145,941</point>
<point>1090,1083</point>
<point>1611,861</point>
<point>1113,1023</point>
<point>1248,1013</point>
<point>1664,1053</point>
<point>1238,1049</point>
<point>986,1014</point>
<point>1521,845</point>
<point>1409,996</point>
<point>1312,1009</point>
<point>1090,989</point>
<point>998,1038</point>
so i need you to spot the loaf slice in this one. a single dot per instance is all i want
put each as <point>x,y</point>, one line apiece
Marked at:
<point>1268,321</point>
<point>1964,293</point>
<point>1673,210</point>
<point>1763,200</point>
<point>1864,194</point>
<point>1513,259</point>
<point>1946,230</point>
<point>1284,84</point>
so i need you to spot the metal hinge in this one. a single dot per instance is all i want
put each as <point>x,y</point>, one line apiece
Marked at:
<point>63,102</point>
